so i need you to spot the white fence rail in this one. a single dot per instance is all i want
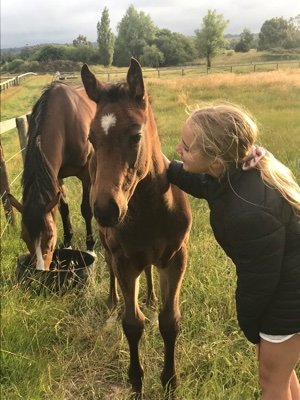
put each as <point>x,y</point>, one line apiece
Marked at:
<point>15,81</point>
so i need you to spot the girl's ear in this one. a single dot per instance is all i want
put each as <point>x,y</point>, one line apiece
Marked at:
<point>218,167</point>
<point>218,162</point>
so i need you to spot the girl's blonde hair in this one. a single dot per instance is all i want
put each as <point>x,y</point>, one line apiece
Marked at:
<point>227,132</point>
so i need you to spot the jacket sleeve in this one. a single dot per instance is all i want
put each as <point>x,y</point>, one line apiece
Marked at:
<point>257,241</point>
<point>193,184</point>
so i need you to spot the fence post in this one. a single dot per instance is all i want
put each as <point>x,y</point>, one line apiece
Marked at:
<point>22,130</point>
<point>4,189</point>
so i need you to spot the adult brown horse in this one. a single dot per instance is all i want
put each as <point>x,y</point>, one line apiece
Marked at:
<point>143,219</point>
<point>57,148</point>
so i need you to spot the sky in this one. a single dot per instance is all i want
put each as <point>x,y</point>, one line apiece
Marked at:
<point>30,22</point>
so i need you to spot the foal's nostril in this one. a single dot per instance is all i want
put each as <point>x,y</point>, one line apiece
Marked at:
<point>107,215</point>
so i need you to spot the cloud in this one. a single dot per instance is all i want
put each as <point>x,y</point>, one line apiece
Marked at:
<point>56,21</point>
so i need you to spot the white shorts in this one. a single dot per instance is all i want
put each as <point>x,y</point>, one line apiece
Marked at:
<point>276,338</point>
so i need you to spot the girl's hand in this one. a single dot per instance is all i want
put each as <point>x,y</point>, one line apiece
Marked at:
<point>166,161</point>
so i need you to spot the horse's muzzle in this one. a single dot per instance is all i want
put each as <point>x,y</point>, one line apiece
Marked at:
<point>107,215</point>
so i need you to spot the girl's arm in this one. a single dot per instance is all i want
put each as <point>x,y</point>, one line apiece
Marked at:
<point>193,184</point>
<point>257,242</point>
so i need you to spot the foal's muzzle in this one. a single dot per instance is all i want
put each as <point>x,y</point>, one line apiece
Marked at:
<point>107,215</point>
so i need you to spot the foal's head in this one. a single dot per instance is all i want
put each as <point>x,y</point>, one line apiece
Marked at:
<point>119,134</point>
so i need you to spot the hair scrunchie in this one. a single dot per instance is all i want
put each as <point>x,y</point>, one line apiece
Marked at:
<point>256,154</point>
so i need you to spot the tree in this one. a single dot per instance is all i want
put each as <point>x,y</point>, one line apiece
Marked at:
<point>105,39</point>
<point>293,40</point>
<point>135,31</point>
<point>81,41</point>
<point>51,53</point>
<point>84,54</point>
<point>176,47</point>
<point>152,56</point>
<point>275,32</point>
<point>295,21</point>
<point>244,44</point>
<point>210,38</point>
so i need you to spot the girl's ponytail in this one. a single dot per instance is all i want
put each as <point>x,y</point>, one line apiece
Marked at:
<point>277,175</point>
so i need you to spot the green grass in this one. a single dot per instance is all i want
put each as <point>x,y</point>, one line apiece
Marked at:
<point>70,347</point>
<point>18,100</point>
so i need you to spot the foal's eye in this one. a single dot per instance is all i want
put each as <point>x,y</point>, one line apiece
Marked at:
<point>134,139</point>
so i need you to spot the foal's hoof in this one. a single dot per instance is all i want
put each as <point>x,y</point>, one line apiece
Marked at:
<point>137,396</point>
<point>169,385</point>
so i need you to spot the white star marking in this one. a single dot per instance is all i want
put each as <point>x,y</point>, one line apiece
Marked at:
<point>107,121</point>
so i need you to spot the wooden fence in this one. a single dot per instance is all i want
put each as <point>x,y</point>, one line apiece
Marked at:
<point>187,70</point>
<point>21,123</point>
<point>15,81</point>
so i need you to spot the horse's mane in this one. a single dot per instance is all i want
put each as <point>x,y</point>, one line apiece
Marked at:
<point>39,184</point>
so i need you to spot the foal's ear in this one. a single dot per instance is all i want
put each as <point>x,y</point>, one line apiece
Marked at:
<point>15,203</point>
<point>92,86</point>
<point>135,80</point>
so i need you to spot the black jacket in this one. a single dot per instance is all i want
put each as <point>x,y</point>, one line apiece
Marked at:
<point>260,232</point>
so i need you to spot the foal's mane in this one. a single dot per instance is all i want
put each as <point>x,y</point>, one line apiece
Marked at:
<point>117,91</point>
<point>39,184</point>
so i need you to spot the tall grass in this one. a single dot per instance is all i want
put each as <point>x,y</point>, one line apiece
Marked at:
<point>69,347</point>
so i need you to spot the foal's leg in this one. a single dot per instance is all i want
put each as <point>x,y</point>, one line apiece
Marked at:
<point>169,318</point>
<point>113,297</point>
<point>151,297</point>
<point>133,321</point>
<point>65,216</point>
<point>86,210</point>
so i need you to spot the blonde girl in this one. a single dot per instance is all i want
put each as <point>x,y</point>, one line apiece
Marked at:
<point>254,204</point>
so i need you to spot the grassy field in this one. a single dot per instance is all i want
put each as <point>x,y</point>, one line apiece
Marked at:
<point>72,347</point>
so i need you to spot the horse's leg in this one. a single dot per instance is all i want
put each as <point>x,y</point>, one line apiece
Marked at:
<point>133,322</point>
<point>86,210</point>
<point>65,216</point>
<point>151,297</point>
<point>169,317</point>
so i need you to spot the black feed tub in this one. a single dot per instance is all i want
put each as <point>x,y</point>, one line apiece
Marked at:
<point>69,268</point>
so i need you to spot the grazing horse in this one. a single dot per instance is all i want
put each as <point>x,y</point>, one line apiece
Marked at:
<point>143,220</point>
<point>57,148</point>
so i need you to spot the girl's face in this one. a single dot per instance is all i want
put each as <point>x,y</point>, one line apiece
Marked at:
<point>195,161</point>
